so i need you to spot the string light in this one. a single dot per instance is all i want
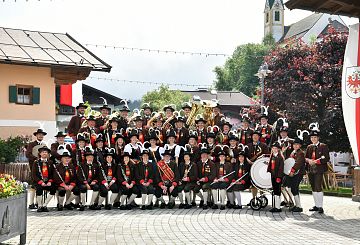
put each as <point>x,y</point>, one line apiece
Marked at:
<point>158,50</point>
<point>150,83</point>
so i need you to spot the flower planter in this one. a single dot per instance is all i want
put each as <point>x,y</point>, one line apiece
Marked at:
<point>13,217</point>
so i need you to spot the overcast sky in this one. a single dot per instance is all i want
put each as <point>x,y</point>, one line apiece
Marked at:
<point>215,26</point>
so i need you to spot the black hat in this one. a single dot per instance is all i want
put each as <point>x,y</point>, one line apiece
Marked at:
<point>180,119</point>
<point>170,133</point>
<point>114,119</point>
<point>169,107</point>
<point>167,151</point>
<point>80,137</point>
<point>91,118</point>
<point>39,131</point>
<point>186,105</point>
<point>204,149</point>
<point>138,118</point>
<point>284,129</point>
<point>145,151</point>
<point>256,131</point>
<point>211,135</point>
<point>151,135</point>
<point>187,150</point>
<point>222,152</point>
<point>315,133</point>
<point>132,132</point>
<point>109,152</point>
<point>233,136</point>
<point>193,134</point>
<point>119,135</point>
<point>89,151</point>
<point>224,122</point>
<point>99,137</point>
<point>276,144</point>
<point>146,106</point>
<point>105,106</point>
<point>246,119</point>
<point>60,134</point>
<point>200,118</point>
<point>126,154</point>
<point>81,105</point>
<point>297,140</point>
<point>66,153</point>
<point>125,108</point>
<point>44,148</point>
<point>241,153</point>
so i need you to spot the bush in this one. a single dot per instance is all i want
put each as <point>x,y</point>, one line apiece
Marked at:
<point>9,186</point>
<point>10,148</point>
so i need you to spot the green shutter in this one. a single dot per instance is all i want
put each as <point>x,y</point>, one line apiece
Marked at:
<point>36,96</point>
<point>12,94</point>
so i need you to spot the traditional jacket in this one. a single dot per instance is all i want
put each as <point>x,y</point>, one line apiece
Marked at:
<point>191,169</point>
<point>92,133</point>
<point>266,133</point>
<point>75,124</point>
<point>240,170</point>
<point>110,172</point>
<point>67,175</point>
<point>256,150</point>
<point>87,173</point>
<point>42,171</point>
<point>276,166</point>
<point>99,155</point>
<point>126,173</point>
<point>29,154</point>
<point>144,173</point>
<point>100,122</point>
<point>167,173</point>
<point>223,169</point>
<point>299,166</point>
<point>201,136</point>
<point>217,119</point>
<point>315,152</point>
<point>133,150</point>
<point>246,136</point>
<point>207,170</point>
<point>182,136</point>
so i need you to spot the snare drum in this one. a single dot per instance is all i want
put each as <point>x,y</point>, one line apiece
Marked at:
<point>288,164</point>
<point>259,174</point>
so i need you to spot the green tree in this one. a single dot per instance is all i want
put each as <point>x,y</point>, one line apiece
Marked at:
<point>164,96</point>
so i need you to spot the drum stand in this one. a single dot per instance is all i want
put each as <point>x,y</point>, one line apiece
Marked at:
<point>289,201</point>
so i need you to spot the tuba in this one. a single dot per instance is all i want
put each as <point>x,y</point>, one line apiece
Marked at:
<point>167,122</point>
<point>208,114</point>
<point>35,150</point>
<point>192,116</point>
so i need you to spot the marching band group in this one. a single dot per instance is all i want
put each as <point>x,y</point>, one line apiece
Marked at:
<point>121,157</point>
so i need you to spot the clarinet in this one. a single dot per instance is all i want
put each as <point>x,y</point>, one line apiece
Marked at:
<point>62,180</point>
<point>123,173</point>
<point>102,171</point>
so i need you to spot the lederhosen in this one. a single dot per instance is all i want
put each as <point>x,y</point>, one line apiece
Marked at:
<point>206,170</point>
<point>192,174</point>
<point>240,170</point>
<point>145,174</point>
<point>86,174</point>
<point>298,170</point>
<point>126,175</point>
<point>164,179</point>
<point>106,175</point>
<point>223,169</point>
<point>42,172</point>
<point>65,175</point>
<point>316,172</point>
<point>276,168</point>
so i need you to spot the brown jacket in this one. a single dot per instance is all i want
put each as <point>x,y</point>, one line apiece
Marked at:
<point>276,166</point>
<point>254,151</point>
<point>84,171</point>
<point>315,153</point>
<point>29,154</point>
<point>61,170</point>
<point>192,173</point>
<point>74,125</point>
<point>224,169</point>
<point>39,170</point>
<point>207,170</point>
<point>140,173</point>
<point>299,157</point>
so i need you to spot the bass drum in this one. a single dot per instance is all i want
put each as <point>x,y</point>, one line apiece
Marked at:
<point>259,174</point>
<point>288,164</point>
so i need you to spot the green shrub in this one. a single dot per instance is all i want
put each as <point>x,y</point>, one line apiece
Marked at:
<point>10,148</point>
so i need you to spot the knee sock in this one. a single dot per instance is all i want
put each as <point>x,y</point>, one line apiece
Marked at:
<point>297,201</point>
<point>215,196</point>
<point>132,198</point>
<point>39,201</point>
<point>48,199</point>
<point>205,195</point>
<point>223,196</point>
<point>172,199</point>
<point>71,197</point>
<point>199,194</point>
<point>188,197</point>
<point>123,199</point>
<point>31,196</point>
<point>77,199</point>
<point>161,199</point>
<point>94,196</point>
<point>238,197</point>
<point>181,197</point>
<point>143,199</point>
<point>83,198</point>
<point>101,200</point>
<point>231,197</point>
<point>61,200</point>
<point>150,198</point>
<point>113,197</point>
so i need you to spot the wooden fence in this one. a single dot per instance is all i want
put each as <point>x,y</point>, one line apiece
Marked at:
<point>21,171</point>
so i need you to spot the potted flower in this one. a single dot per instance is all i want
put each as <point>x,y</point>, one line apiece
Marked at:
<point>13,203</point>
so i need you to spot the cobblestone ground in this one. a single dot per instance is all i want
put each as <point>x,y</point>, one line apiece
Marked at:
<point>339,225</point>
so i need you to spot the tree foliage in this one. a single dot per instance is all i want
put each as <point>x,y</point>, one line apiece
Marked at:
<point>306,83</point>
<point>238,72</point>
<point>164,96</point>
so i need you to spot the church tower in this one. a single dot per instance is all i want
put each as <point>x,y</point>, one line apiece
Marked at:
<point>274,18</point>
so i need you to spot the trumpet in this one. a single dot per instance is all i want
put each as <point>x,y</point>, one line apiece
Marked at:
<point>167,122</point>
<point>259,153</point>
<point>154,115</point>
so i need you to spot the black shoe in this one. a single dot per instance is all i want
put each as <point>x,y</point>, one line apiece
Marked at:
<point>149,207</point>
<point>222,207</point>
<point>36,205</point>
<point>193,204</point>
<point>296,210</point>
<point>92,207</point>
<point>201,204</point>
<point>214,206</point>
<point>321,210</point>
<point>171,205</point>
<point>236,207</point>
<point>143,207</point>
<point>32,206</point>
<point>122,207</point>
<point>182,205</point>
<point>275,210</point>
<point>205,206</point>
<point>156,205</point>
<point>210,204</point>
<point>313,209</point>
<point>128,207</point>
<point>39,210</point>
<point>116,204</point>
<point>60,207</point>
<point>108,206</point>
<point>81,208</point>
<point>76,206</point>
<point>162,205</point>
<point>188,206</point>
<point>230,206</point>
<point>68,207</point>
<point>45,209</point>
<point>283,203</point>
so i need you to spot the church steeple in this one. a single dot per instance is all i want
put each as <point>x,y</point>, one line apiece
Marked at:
<point>274,18</point>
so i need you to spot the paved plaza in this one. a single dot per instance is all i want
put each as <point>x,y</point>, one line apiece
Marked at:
<point>339,225</point>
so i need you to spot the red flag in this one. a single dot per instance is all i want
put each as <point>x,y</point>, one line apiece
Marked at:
<point>66,94</point>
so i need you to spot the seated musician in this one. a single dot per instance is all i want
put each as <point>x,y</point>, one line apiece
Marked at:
<point>79,152</point>
<point>276,168</point>
<point>105,110</point>
<point>123,118</point>
<point>171,145</point>
<point>42,175</point>
<point>186,106</point>
<point>107,178</point>
<point>224,176</point>
<point>188,176</point>
<point>126,180</point>
<point>147,113</point>
<point>182,133</point>
<point>110,133</point>
<point>195,156</point>
<point>87,179</point>
<point>245,131</point>
<point>100,149</point>
<point>65,181</point>
<point>207,174</point>
<point>264,128</point>
<point>144,175</point>
<point>168,176</point>
<point>211,144</point>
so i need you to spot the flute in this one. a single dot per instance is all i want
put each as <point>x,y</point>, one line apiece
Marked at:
<point>236,181</point>
<point>223,177</point>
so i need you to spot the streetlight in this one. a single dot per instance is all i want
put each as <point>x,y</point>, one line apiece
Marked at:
<point>262,73</point>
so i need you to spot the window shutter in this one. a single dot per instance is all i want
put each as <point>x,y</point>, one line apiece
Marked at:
<point>36,96</point>
<point>12,94</point>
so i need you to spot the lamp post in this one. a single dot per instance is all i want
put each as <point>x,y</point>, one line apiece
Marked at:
<point>262,73</point>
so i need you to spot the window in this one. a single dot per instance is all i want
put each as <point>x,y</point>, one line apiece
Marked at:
<point>277,16</point>
<point>24,95</point>
<point>267,17</point>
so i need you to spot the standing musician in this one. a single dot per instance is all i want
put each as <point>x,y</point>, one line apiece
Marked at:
<point>77,120</point>
<point>107,178</point>
<point>65,181</point>
<point>225,129</point>
<point>126,178</point>
<point>195,151</point>
<point>99,150</point>
<point>144,177</point>
<point>155,151</point>
<point>286,143</point>
<point>111,131</point>
<point>207,174</point>
<point>222,178</point>
<point>276,168</point>
<point>39,134</point>
<point>241,181</point>
<point>160,133</point>
<point>173,148</point>
<point>188,176</point>
<point>101,121</point>
<point>42,175</point>
<point>200,128</point>
<point>186,106</point>
<point>79,151</point>
<point>119,147</point>
<point>90,130</point>
<point>123,118</point>
<point>147,113</point>
<point>217,115</point>
<point>168,174</point>
<point>169,112</point>
<point>317,157</point>
<point>182,133</point>
<point>60,141</point>
<point>233,147</point>
<point>245,131</point>
<point>210,140</point>
<point>139,127</point>
<point>265,129</point>
<point>133,148</point>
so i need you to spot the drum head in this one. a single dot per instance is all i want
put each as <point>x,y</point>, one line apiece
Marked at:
<point>288,164</point>
<point>259,175</point>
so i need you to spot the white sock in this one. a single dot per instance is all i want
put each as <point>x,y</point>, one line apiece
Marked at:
<point>238,197</point>
<point>143,199</point>
<point>32,196</point>
<point>83,198</point>
<point>57,196</point>
<point>223,196</point>
<point>101,200</point>
<point>172,199</point>
<point>315,198</point>
<point>320,199</point>
<point>188,197</point>
<point>132,198</point>
<point>161,199</point>
<point>67,195</point>
<point>113,197</point>
<point>71,198</point>
<point>77,199</point>
<point>150,198</point>
<point>199,194</point>
<point>277,202</point>
<point>205,195</point>
<point>181,197</point>
<point>61,200</point>
<point>297,201</point>
<point>39,201</point>
<point>94,196</point>
<point>47,200</point>
<point>215,196</point>
<point>123,199</point>
<point>232,198</point>
<point>117,199</point>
